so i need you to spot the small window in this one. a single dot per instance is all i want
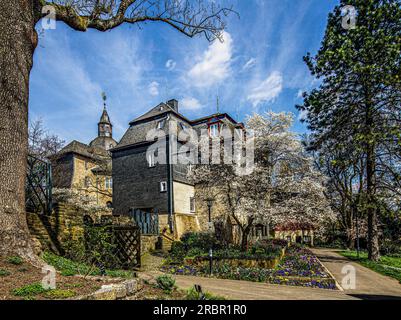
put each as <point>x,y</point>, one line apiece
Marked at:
<point>163,186</point>
<point>214,130</point>
<point>160,124</point>
<point>109,204</point>
<point>151,160</point>
<point>192,204</point>
<point>109,183</point>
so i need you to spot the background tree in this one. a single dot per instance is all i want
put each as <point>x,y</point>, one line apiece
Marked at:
<point>357,105</point>
<point>18,40</point>
<point>41,143</point>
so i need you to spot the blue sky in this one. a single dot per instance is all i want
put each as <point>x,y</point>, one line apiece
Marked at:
<point>258,67</point>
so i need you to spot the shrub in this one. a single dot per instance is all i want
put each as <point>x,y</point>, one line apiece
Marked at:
<point>4,273</point>
<point>166,283</point>
<point>195,252</point>
<point>59,294</point>
<point>29,290</point>
<point>192,294</point>
<point>389,247</point>
<point>15,260</point>
<point>201,240</point>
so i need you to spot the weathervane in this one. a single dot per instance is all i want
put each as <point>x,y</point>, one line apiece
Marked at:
<point>104,97</point>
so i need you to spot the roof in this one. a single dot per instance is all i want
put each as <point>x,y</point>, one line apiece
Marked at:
<point>215,115</point>
<point>160,109</point>
<point>103,142</point>
<point>83,150</point>
<point>105,117</point>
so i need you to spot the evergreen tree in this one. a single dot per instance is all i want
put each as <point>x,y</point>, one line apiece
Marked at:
<point>358,102</point>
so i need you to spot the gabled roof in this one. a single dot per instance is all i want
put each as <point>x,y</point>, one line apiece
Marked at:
<point>160,109</point>
<point>82,149</point>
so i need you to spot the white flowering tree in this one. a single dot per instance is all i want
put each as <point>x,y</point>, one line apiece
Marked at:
<point>282,188</point>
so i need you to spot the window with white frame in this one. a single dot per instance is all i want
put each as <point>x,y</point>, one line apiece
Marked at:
<point>151,160</point>
<point>160,124</point>
<point>108,183</point>
<point>192,204</point>
<point>214,130</point>
<point>163,186</point>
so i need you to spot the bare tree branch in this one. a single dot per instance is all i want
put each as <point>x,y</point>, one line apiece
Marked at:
<point>190,17</point>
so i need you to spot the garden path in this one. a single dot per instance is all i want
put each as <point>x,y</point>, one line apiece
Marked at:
<point>368,285</point>
<point>246,290</point>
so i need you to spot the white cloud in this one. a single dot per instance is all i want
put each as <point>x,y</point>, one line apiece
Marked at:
<point>302,115</point>
<point>214,66</point>
<point>249,64</point>
<point>171,64</point>
<point>189,103</point>
<point>154,88</point>
<point>299,94</point>
<point>268,90</point>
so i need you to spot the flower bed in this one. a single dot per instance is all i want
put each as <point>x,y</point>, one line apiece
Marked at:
<point>299,267</point>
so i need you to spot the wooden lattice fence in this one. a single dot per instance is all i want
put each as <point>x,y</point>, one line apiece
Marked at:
<point>120,250</point>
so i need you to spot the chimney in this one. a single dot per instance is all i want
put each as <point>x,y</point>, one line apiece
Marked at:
<point>173,104</point>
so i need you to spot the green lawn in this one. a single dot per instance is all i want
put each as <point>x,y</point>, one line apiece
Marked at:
<point>385,266</point>
<point>69,268</point>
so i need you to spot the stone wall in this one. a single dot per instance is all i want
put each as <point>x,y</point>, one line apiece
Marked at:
<point>185,223</point>
<point>65,224</point>
<point>54,231</point>
<point>149,243</point>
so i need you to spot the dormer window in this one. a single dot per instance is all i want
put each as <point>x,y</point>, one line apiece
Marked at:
<point>214,130</point>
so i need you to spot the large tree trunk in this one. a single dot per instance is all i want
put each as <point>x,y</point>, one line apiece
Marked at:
<point>18,40</point>
<point>373,235</point>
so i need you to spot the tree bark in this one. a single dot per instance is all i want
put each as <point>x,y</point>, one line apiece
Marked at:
<point>18,40</point>
<point>245,234</point>
<point>373,235</point>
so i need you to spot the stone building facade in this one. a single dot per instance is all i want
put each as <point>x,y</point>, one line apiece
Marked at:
<point>142,180</point>
<point>87,168</point>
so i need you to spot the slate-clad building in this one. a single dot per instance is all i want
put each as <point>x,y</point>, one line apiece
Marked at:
<point>141,183</point>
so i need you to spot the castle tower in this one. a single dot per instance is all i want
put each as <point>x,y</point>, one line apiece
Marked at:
<point>104,130</point>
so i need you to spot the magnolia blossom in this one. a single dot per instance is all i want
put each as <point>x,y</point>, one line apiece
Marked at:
<point>78,200</point>
<point>283,186</point>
